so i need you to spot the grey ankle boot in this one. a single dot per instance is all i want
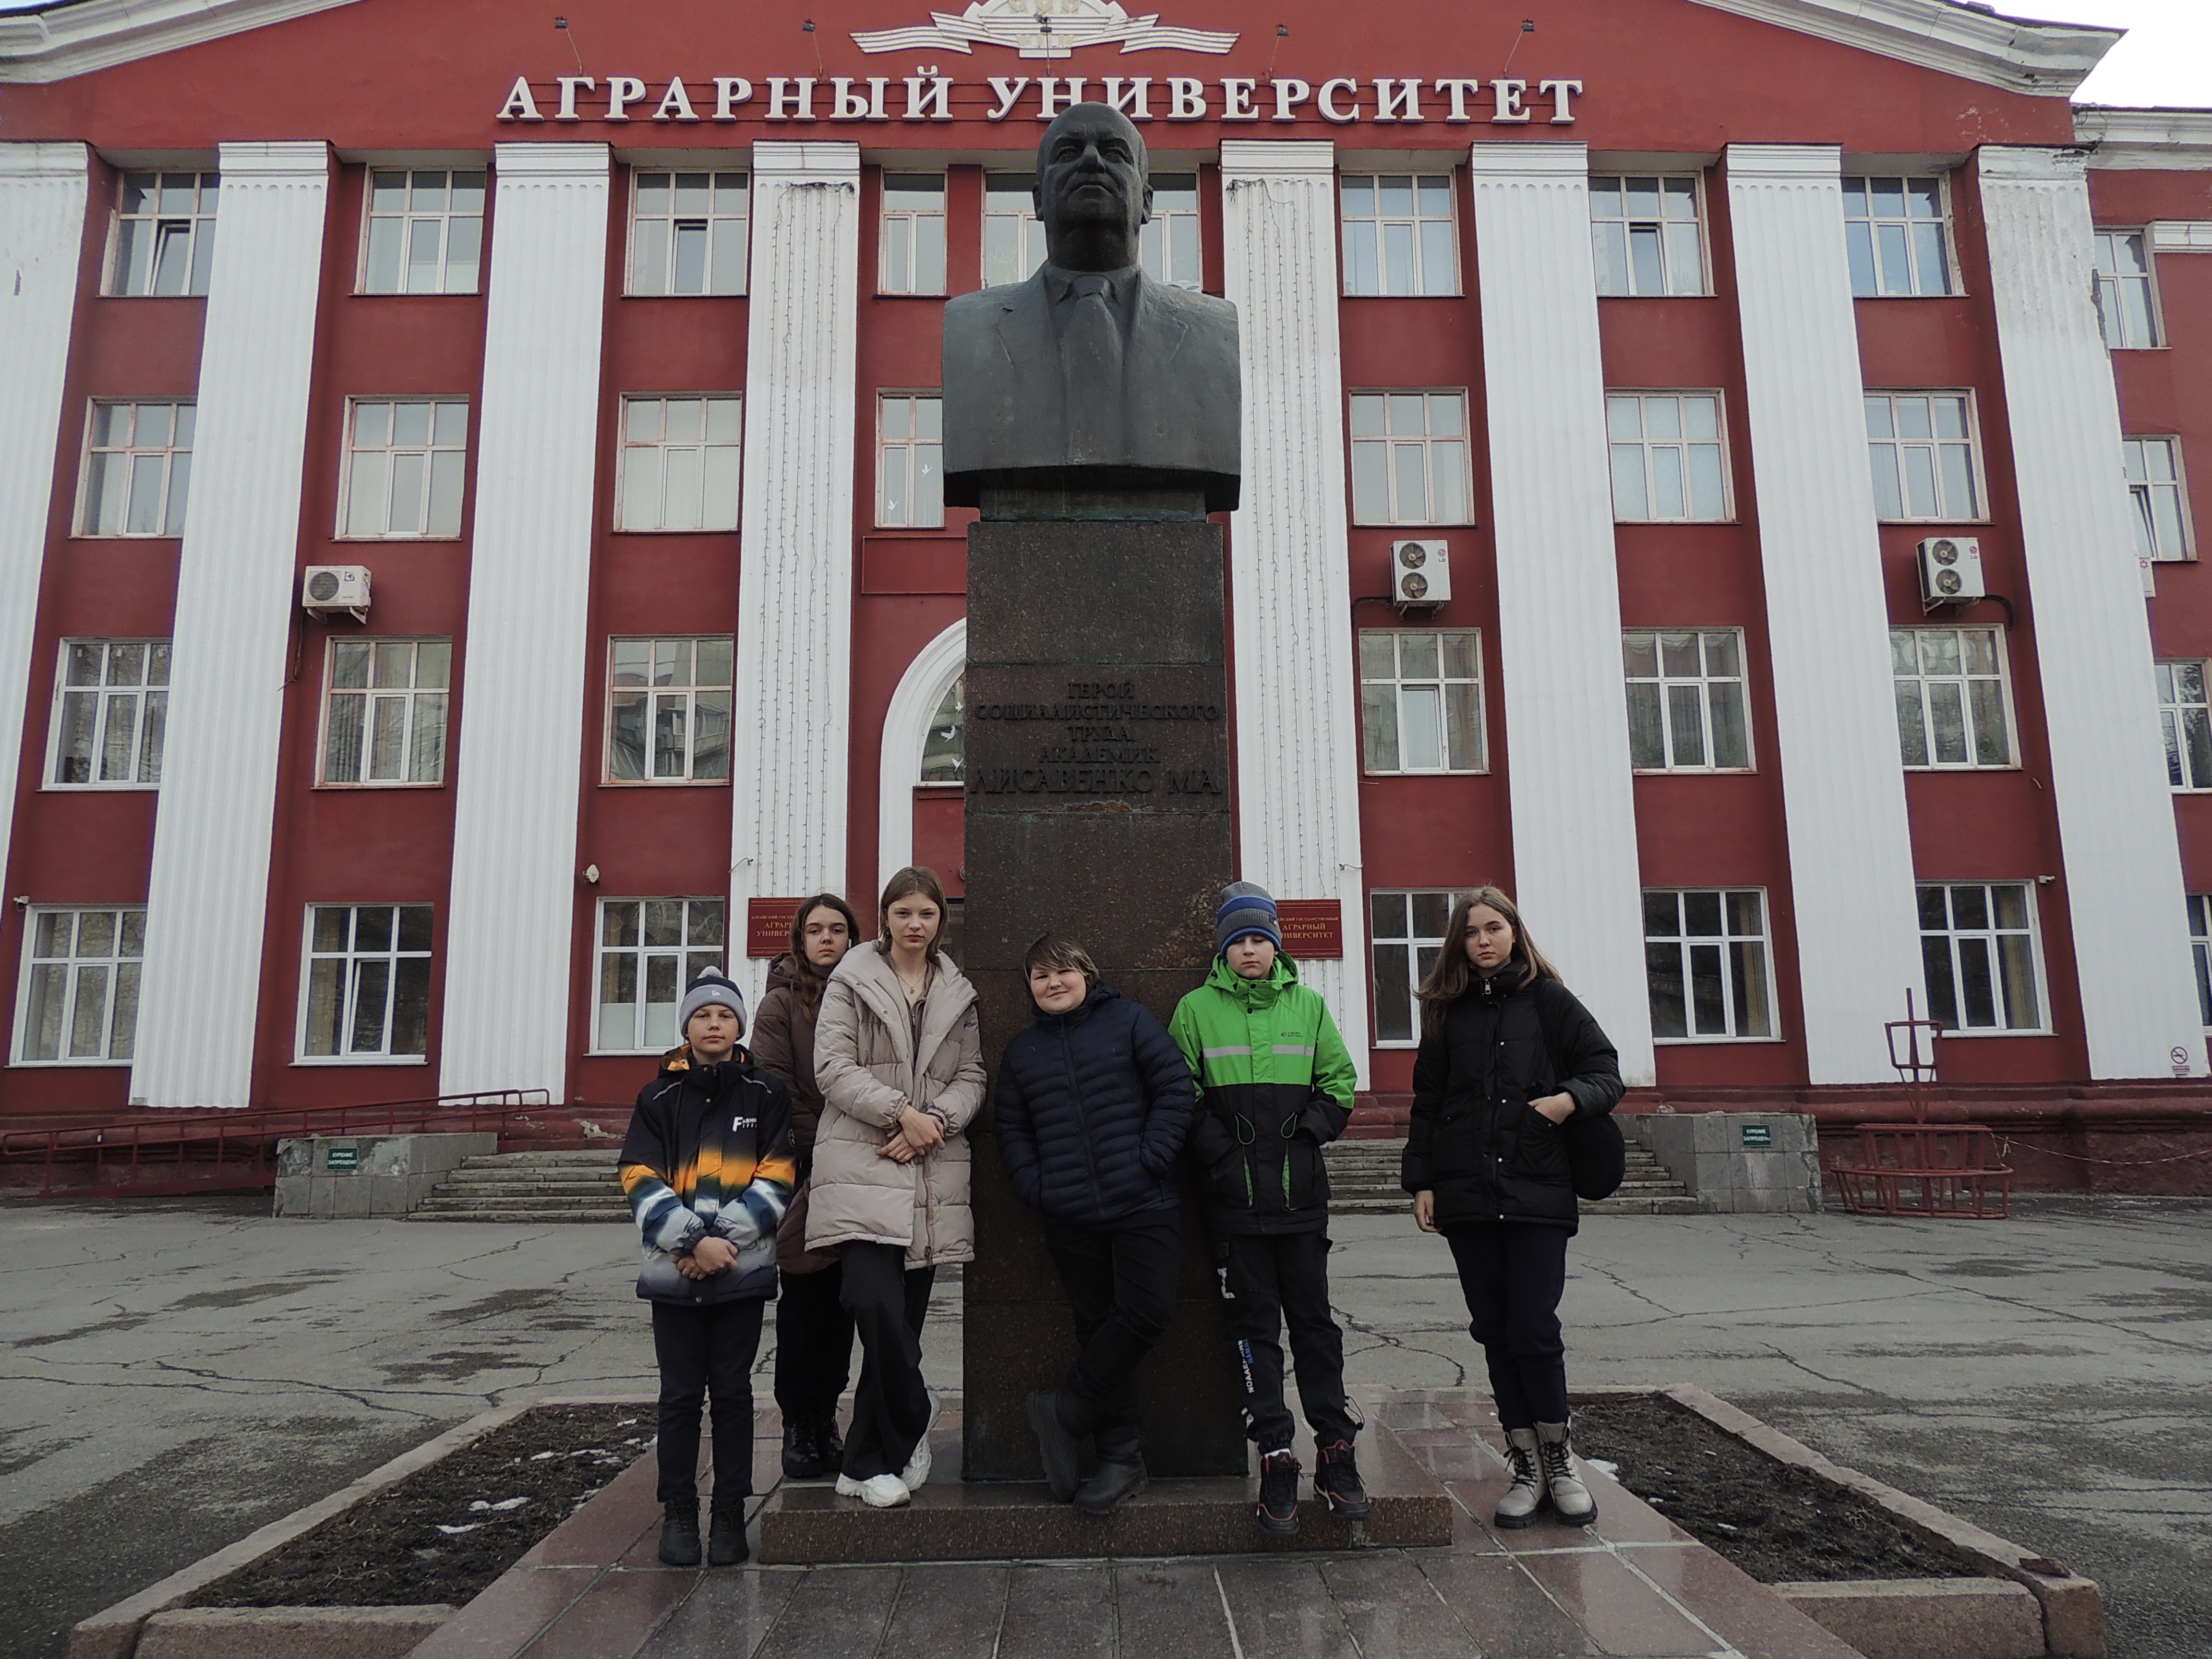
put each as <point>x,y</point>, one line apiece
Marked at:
<point>1569,1496</point>
<point>1518,1507</point>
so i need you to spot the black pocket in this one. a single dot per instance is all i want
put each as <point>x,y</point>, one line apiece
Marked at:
<point>1543,1150</point>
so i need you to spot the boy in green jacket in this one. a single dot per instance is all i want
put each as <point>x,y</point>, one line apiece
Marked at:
<point>1274,1086</point>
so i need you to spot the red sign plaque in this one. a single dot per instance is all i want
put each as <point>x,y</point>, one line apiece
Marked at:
<point>1313,929</point>
<point>768,926</point>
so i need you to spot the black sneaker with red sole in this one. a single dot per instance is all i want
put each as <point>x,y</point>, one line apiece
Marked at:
<point>1278,1509</point>
<point>1337,1482</point>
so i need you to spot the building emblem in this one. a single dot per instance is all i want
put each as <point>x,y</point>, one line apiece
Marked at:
<point>1043,28</point>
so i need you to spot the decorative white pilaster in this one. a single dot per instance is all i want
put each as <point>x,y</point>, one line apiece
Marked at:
<point>1828,617</point>
<point>42,202</point>
<point>1297,702</point>
<point>524,668</point>
<point>208,897</point>
<point>1558,589</point>
<point>793,733</point>
<point>2108,777</point>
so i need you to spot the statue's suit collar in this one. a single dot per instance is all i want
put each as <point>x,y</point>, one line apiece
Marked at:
<point>1156,329</point>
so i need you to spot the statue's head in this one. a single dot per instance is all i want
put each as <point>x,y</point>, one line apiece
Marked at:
<point>1091,191</point>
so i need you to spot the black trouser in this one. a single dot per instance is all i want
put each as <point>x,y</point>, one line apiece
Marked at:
<point>813,1345</point>
<point>1120,1282</point>
<point>1268,1281</point>
<point>706,1350</point>
<point>1512,1273</point>
<point>890,1409</point>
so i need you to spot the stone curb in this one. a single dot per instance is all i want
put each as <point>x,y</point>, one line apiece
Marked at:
<point>289,1632</point>
<point>113,1632</point>
<point>1910,1618</point>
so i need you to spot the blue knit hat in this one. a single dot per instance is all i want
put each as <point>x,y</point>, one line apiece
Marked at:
<point>1245,908</point>
<point>711,988</point>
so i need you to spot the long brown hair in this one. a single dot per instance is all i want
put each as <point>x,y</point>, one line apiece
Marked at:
<point>914,879</point>
<point>807,980</point>
<point>1451,973</point>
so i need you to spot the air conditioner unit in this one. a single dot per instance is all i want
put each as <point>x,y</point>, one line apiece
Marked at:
<point>1950,571</point>
<point>1420,574</point>
<point>328,588</point>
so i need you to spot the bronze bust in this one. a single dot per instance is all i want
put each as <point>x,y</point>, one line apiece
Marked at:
<point>1091,380</point>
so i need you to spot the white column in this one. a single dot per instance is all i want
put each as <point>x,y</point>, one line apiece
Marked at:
<point>2108,777</point>
<point>523,667</point>
<point>793,725</point>
<point>42,200</point>
<point>208,897</point>
<point>1827,615</point>
<point>1558,590</point>
<point>1298,700</point>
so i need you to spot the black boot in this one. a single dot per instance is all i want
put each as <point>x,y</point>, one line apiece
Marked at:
<point>1338,1482</point>
<point>726,1537</point>
<point>679,1533</point>
<point>802,1449</point>
<point>1059,1447</point>
<point>831,1444</point>
<point>1111,1485</point>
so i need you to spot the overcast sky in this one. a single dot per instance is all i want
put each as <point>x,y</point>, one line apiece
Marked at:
<point>2167,58</point>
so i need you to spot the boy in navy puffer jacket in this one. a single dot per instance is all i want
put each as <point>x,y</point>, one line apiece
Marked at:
<point>1093,1103</point>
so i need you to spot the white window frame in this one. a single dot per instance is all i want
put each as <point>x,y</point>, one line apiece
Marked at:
<point>1936,444</point>
<point>657,239</point>
<point>424,707</point>
<point>1388,441</point>
<point>946,738</point>
<point>2177,704</point>
<point>1701,688</point>
<point>924,239</point>
<point>441,487</point>
<point>174,495</point>
<point>1171,236</point>
<point>351,982</point>
<point>688,955</point>
<point>1421,951</point>
<point>1725,942</point>
<point>1684,448</point>
<point>1382,695</point>
<point>913,458</point>
<point>1012,216</point>
<point>1952,938</point>
<point>456,221</point>
<point>2148,492</point>
<point>2200,949</point>
<point>657,696</point>
<point>1424,248</point>
<point>1864,227</point>
<point>1921,677</point>
<point>150,701</point>
<point>1669,232</point>
<point>635,501</point>
<point>116,964</point>
<point>195,221</point>
<point>2119,334</point>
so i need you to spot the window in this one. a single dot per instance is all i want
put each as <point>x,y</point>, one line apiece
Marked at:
<point>1898,231</point>
<point>138,470</point>
<point>1685,707</point>
<point>383,711</point>
<point>1666,456</point>
<point>1169,238</point>
<point>1398,234</point>
<point>944,752</point>
<point>80,994</point>
<point>2125,299</point>
<point>668,711</point>
<point>164,233</point>
<point>1705,961</point>
<point>1952,709</point>
<point>914,233</point>
<point>1420,701</point>
<point>368,983</point>
<point>1977,945</point>
<point>2200,947</point>
<point>1013,236</point>
<point>1409,457</point>
<point>688,232</point>
<point>909,480</point>
<point>404,462</point>
<point>1922,446</point>
<point>111,708</point>
<point>1407,931</point>
<point>2154,469</point>
<point>2182,710</point>
<point>679,463</point>
<point>1644,233</point>
<point>649,951</point>
<point>425,231</point>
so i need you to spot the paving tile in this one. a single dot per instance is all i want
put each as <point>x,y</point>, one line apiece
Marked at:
<point>1751,1617</point>
<point>1451,1454</point>
<point>615,1618</point>
<point>1393,1612</point>
<point>1283,1610</point>
<point>1622,1612</point>
<point>835,1613</point>
<point>726,1617</point>
<point>1170,1610</point>
<point>1059,1613</point>
<point>1505,1611</point>
<point>1480,1499</point>
<point>606,1527</point>
<point>510,1612</point>
<point>948,1612</point>
<point>1624,1518</point>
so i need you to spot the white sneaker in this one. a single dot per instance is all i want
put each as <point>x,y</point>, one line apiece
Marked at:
<point>878,1491</point>
<point>917,1473</point>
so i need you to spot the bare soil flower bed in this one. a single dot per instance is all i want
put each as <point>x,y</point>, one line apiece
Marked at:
<point>1780,1525</point>
<point>445,1532</point>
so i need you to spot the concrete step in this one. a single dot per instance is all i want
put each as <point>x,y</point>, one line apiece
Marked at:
<point>490,1185</point>
<point>529,1187</point>
<point>602,1202</point>
<point>526,1217</point>
<point>545,1160</point>
<point>1362,1178</point>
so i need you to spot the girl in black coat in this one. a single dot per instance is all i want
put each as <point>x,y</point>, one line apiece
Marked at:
<point>1507,1057</point>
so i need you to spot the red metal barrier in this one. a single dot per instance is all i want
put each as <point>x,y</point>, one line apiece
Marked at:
<point>1922,1169</point>
<point>158,1153</point>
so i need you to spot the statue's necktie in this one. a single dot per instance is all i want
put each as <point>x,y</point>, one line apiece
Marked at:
<point>1090,357</point>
